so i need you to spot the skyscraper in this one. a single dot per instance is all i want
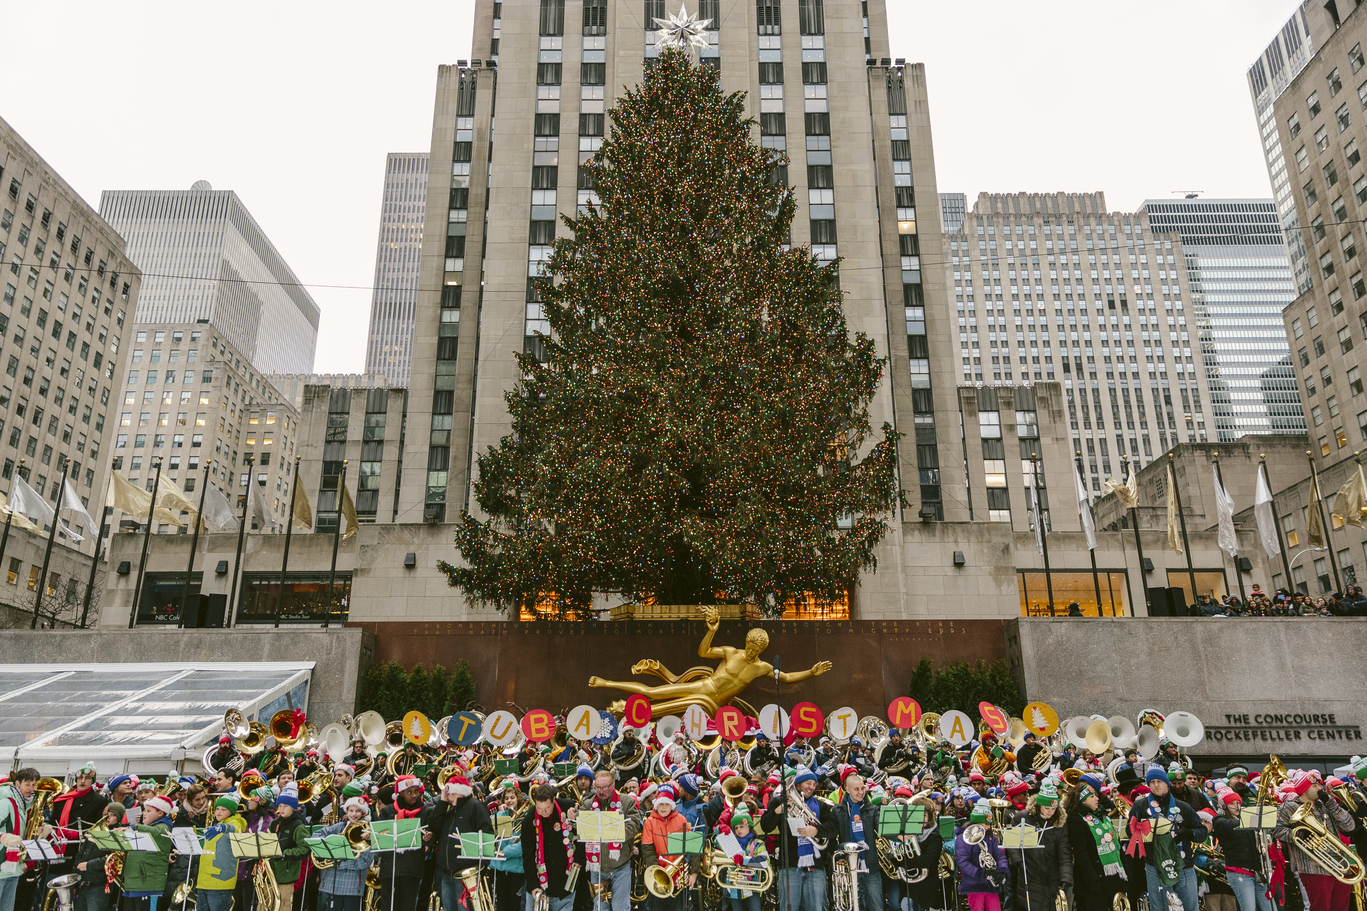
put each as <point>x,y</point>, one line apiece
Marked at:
<point>205,258</point>
<point>953,208</point>
<point>389,350</point>
<point>854,124</point>
<point>1055,287</point>
<point>1240,281</point>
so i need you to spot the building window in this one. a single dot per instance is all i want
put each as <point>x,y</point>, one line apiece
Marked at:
<point>1313,103</point>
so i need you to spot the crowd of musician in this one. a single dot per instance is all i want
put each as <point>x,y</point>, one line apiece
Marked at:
<point>1114,832</point>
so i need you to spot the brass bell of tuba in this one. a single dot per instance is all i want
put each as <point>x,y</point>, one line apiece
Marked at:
<point>1311,835</point>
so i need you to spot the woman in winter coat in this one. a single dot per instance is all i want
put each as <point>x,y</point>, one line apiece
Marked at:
<point>1098,867</point>
<point>1040,872</point>
<point>929,891</point>
<point>982,867</point>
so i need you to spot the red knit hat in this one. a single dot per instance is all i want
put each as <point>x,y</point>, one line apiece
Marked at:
<point>1017,789</point>
<point>846,771</point>
<point>1299,781</point>
<point>1228,795</point>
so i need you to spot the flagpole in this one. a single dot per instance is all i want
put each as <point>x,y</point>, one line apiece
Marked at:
<point>1091,551</point>
<point>241,533</point>
<point>1043,534</point>
<point>1182,520</point>
<point>1138,545</point>
<point>47,554</point>
<point>336,538</point>
<point>1276,522</point>
<point>1319,507</point>
<point>194,546</point>
<point>99,551</point>
<point>1243,599</point>
<point>146,537</point>
<point>289,530</point>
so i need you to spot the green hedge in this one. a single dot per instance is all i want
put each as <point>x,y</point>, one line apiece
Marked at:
<point>436,692</point>
<point>962,686</point>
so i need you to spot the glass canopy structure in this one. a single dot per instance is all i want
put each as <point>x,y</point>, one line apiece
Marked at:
<point>134,717</point>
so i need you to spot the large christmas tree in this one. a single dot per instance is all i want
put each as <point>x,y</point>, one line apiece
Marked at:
<point>695,431</point>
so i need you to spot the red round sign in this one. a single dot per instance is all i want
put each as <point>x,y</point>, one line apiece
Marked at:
<point>904,712</point>
<point>637,710</point>
<point>995,718</point>
<point>806,720</point>
<point>730,723</point>
<point>538,725</point>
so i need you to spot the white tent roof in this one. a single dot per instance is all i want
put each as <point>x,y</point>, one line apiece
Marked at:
<point>134,717</point>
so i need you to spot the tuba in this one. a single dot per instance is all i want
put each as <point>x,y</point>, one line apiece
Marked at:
<point>845,878</point>
<point>732,790</point>
<point>45,791</point>
<point>730,875</point>
<point>267,889</point>
<point>1311,835</point>
<point>667,881</point>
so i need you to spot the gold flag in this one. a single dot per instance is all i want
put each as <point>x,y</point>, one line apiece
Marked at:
<point>1174,534</point>
<point>1314,526</point>
<point>133,501</point>
<point>303,513</point>
<point>349,514</point>
<point>1351,499</point>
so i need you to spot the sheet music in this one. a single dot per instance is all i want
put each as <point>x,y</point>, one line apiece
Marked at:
<point>140,841</point>
<point>186,841</point>
<point>729,844</point>
<point>41,849</point>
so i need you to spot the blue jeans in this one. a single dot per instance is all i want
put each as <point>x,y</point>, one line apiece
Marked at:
<point>8,887</point>
<point>215,899</point>
<point>892,894</point>
<point>1185,890</point>
<point>871,889</point>
<point>750,902</point>
<point>620,882</point>
<point>1251,894</point>
<point>339,902</point>
<point>799,890</point>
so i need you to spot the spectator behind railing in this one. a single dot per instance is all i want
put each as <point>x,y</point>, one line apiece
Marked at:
<point>1284,604</point>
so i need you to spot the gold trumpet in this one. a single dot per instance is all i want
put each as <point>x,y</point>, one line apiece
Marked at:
<point>1311,835</point>
<point>732,790</point>
<point>667,881</point>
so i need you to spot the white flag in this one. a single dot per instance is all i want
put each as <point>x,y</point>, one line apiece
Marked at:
<point>16,519</point>
<point>1084,508</point>
<point>73,503</point>
<point>65,529</point>
<point>1224,508</point>
<point>26,501</point>
<point>218,512</point>
<point>1262,511</point>
<point>171,497</point>
<point>257,507</point>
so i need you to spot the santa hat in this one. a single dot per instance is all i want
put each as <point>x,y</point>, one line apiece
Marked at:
<point>162,804</point>
<point>975,775</point>
<point>1299,781</point>
<point>357,802</point>
<point>343,767</point>
<point>459,785</point>
<point>404,782</point>
<point>1207,814</point>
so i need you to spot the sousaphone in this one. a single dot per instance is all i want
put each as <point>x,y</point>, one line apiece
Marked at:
<point>1123,732</point>
<point>1184,729</point>
<point>1146,742</point>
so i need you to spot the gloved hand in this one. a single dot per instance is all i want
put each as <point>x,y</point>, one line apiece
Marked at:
<point>738,859</point>
<point>10,840</point>
<point>45,831</point>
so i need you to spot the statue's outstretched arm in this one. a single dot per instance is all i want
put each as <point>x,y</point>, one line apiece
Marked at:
<point>817,670</point>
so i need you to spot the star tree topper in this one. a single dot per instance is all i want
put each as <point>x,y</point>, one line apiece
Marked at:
<point>682,30</point>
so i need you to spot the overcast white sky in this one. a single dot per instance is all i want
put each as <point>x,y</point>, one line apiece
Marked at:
<point>294,104</point>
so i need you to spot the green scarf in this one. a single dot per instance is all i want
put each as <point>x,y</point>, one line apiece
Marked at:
<point>1107,843</point>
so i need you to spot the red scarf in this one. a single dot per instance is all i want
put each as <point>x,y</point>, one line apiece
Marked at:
<point>12,854</point>
<point>401,813</point>
<point>542,876</point>
<point>592,850</point>
<point>69,798</point>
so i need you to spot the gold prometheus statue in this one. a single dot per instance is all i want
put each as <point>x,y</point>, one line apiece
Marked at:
<point>710,688</point>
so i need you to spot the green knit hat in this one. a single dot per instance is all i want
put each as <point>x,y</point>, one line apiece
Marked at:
<point>264,795</point>
<point>1048,794</point>
<point>741,814</point>
<point>1359,766</point>
<point>227,801</point>
<point>352,789</point>
<point>982,812</point>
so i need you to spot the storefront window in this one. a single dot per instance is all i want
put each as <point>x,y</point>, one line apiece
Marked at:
<point>1069,586</point>
<point>306,598</point>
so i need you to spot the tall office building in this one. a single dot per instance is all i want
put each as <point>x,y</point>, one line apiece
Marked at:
<point>1316,112</point>
<point>1268,77</point>
<point>1240,282</point>
<point>953,208</point>
<point>822,87</point>
<point>206,258</point>
<point>389,350</point>
<point>1055,287</point>
<point>69,291</point>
